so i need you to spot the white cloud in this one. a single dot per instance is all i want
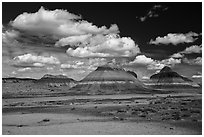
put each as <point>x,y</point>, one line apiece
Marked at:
<point>197,76</point>
<point>75,65</point>
<point>153,12</point>
<point>142,19</point>
<point>89,64</point>
<point>142,59</point>
<point>24,69</point>
<point>109,46</point>
<point>154,64</point>
<point>38,64</point>
<point>57,23</point>
<point>9,36</point>
<point>72,40</point>
<point>171,61</point>
<point>50,68</point>
<point>79,63</point>
<point>93,63</point>
<point>175,38</point>
<point>14,72</point>
<point>160,64</point>
<point>188,50</point>
<point>67,66</point>
<point>145,78</point>
<point>85,39</point>
<point>37,60</point>
<point>177,55</point>
<point>193,49</point>
<point>84,52</point>
<point>196,61</point>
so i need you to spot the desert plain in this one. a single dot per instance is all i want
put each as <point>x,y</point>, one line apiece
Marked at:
<point>52,113</point>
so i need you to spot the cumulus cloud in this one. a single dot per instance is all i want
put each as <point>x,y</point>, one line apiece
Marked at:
<point>37,61</point>
<point>196,61</point>
<point>166,62</point>
<point>171,61</point>
<point>75,65</point>
<point>8,36</point>
<point>72,40</point>
<point>177,55</point>
<point>109,46</point>
<point>95,62</point>
<point>154,64</point>
<point>58,23</point>
<point>24,69</point>
<point>66,66</point>
<point>83,38</point>
<point>142,59</point>
<point>90,64</point>
<point>84,52</point>
<point>193,49</point>
<point>153,12</point>
<point>188,50</point>
<point>37,64</point>
<point>175,38</point>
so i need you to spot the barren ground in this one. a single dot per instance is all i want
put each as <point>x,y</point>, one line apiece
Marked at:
<point>179,113</point>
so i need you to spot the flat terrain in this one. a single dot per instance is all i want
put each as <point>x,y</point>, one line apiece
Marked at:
<point>178,113</point>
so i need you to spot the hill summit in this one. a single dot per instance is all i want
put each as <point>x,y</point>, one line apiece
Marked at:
<point>54,76</point>
<point>167,75</point>
<point>110,73</point>
<point>56,80</point>
<point>110,79</point>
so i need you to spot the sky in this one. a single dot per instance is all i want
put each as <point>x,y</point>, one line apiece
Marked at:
<point>73,39</point>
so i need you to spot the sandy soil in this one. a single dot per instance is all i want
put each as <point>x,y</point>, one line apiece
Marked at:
<point>76,124</point>
<point>109,114</point>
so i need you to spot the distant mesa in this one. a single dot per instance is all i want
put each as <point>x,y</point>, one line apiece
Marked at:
<point>168,77</point>
<point>110,79</point>
<point>16,80</point>
<point>54,76</point>
<point>109,73</point>
<point>56,80</point>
